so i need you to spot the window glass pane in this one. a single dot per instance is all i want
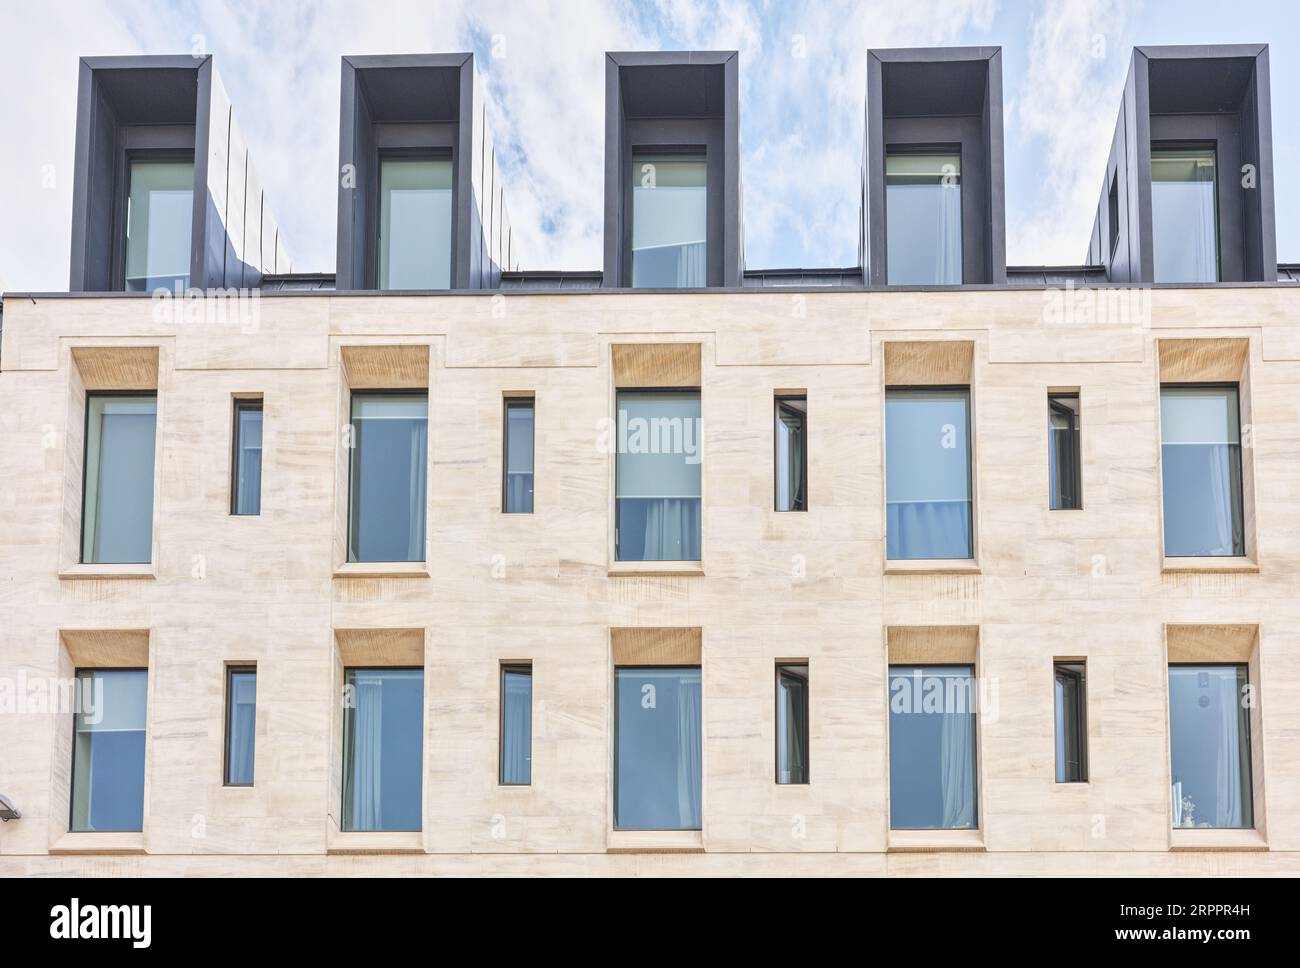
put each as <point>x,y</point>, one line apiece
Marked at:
<point>931,747</point>
<point>241,725</point>
<point>657,769</point>
<point>1200,456</point>
<point>923,219</point>
<point>927,474</point>
<point>791,454</point>
<point>516,725</point>
<point>248,457</point>
<point>1184,222</point>
<point>519,457</point>
<point>117,514</point>
<point>658,475</point>
<point>160,210</point>
<point>1063,455</point>
<point>108,750</point>
<point>389,464</point>
<point>1071,723</point>
<point>792,724</point>
<point>383,726</point>
<point>1209,746</point>
<point>415,223</point>
<point>669,221</point>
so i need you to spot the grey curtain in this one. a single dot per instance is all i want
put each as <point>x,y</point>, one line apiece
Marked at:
<point>689,754</point>
<point>517,726</point>
<point>929,529</point>
<point>367,748</point>
<point>956,763</point>
<point>691,265</point>
<point>1231,754</point>
<point>672,529</point>
<point>419,462</point>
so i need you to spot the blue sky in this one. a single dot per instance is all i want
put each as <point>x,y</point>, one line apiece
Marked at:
<point>803,70</point>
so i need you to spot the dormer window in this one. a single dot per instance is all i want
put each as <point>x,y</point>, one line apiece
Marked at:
<point>923,218</point>
<point>414,241</point>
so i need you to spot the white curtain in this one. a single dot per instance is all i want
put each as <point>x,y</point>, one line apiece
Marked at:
<point>928,529</point>
<point>690,265</point>
<point>947,253</point>
<point>672,529</point>
<point>419,463</point>
<point>1229,756</point>
<point>956,766</point>
<point>689,748</point>
<point>367,746</point>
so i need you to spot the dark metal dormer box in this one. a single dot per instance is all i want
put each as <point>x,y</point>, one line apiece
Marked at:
<point>1188,192</point>
<point>933,211</point>
<point>164,192</point>
<point>421,204</point>
<point>672,170</point>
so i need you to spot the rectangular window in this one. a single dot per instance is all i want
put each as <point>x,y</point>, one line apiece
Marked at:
<point>1184,216</point>
<point>657,476</point>
<point>1071,722</point>
<point>516,725</point>
<point>389,462</point>
<point>792,723</point>
<point>415,223</point>
<point>1064,453</point>
<point>246,474</point>
<point>657,748</point>
<point>517,497</point>
<point>117,509</point>
<point>932,747</point>
<point>923,219</point>
<point>159,215</point>
<point>1209,746</point>
<point>792,453</point>
<point>669,221</point>
<point>1200,457</point>
<point>241,724</point>
<point>108,750</point>
<point>383,742</point>
<point>927,473</point>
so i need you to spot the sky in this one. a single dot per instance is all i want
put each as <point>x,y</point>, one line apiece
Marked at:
<point>541,66</point>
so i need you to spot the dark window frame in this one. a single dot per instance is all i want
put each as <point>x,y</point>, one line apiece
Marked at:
<point>1211,145</point>
<point>231,672</point>
<point>807,723</point>
<point>1112,210</point>
<point>509,403</point>
<point>687,150</point>
<point>1247,721</point>
<point>343,747</point>
<point>241,405</point>
<point>782,401</point>
<point>145,142</point>
<point>1241,457</point>
<point>85,461</point>
<point>926,148</point>
<point>513,668</point>
<point>1074,465</point>
<point>1077,671</point>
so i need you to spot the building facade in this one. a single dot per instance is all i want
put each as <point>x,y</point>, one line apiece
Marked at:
<point>671,568</point>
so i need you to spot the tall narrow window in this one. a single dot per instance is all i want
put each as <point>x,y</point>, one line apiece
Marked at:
<point>932,747</point>
<point>792,723</point>
<point>383,726</point>
<point>108,750</point>
<point>923,219</point>
<point>1063,458</point>
<point>657,475</point>
<point>160,212</point>
<point>518,483</point>
<point>1200,457</point>
<point>415,223</point>
<point>117,513</point>
<point>389,462</point>
<point>1071,722</point>
<point>246,476</point>
<point>241,724</point>
<point>927,473</point>
<point>657,748</point>
<point>1112,211</point>
<point>792,453</point>
<point>669,221</point>
<point>516,725</point>
<point>1184,219</point>
<point>1209,746</point>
